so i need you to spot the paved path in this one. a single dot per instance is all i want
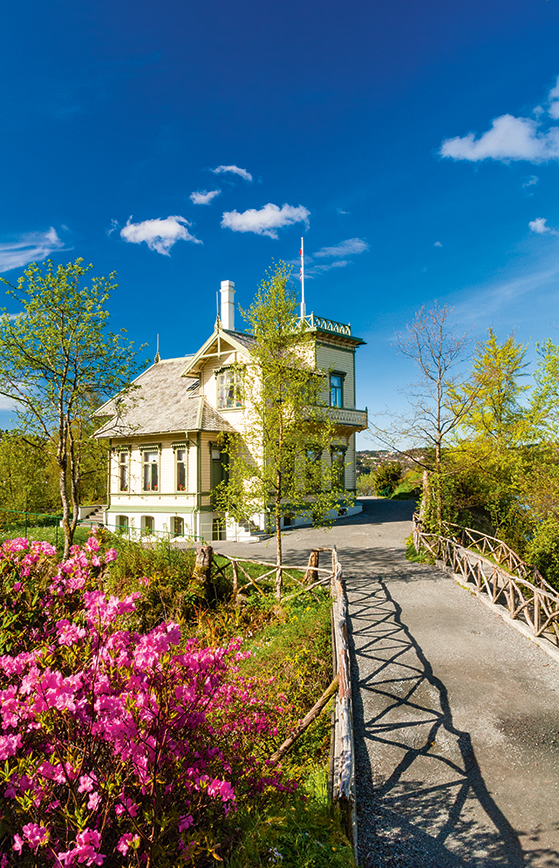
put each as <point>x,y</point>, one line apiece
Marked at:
<point>456,714</point>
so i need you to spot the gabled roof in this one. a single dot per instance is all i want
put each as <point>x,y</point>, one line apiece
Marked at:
<point>239,341</point>
<point>242,338</point>
<point>163,402</point>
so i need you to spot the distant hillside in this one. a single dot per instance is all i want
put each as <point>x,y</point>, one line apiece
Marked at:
<point>372,459</point>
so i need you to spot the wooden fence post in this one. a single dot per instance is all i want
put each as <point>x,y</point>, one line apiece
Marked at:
<point>235,581</point>
<point>203,570</point>
<point>311,575</point>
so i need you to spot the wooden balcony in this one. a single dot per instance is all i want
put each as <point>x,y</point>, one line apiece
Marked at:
<point>352,420</point>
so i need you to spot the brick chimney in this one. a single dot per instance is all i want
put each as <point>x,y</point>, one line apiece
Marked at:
<point>227,305</point>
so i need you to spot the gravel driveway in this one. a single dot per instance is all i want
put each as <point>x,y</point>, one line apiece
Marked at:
<point>455,713</point>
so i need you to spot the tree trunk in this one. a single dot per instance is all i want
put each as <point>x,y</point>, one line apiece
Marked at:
<point>278,555</point>
<point>438,491</point>
<point>203,571</point>
<point>74,479</point>
<point>311,574</point>
<point>66,523</point>
<point>424,506</point>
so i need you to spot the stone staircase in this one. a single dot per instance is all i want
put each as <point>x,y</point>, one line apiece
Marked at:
<point>96,516</point>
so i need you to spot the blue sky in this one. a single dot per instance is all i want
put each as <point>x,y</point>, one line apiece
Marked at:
<point>415,146</point>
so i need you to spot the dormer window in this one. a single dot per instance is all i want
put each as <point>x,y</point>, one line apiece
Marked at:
<point>336,389</point>
<point>228,391</point>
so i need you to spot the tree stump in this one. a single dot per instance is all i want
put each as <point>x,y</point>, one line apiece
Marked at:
<point>203,571</point>
<point>311,574</point>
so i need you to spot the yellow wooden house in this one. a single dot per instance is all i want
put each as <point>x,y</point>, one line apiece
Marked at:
<point>165,457</point>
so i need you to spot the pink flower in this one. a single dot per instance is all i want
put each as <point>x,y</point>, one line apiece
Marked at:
<point>93,802</point>
<point>85,850</point>
<point>126,841</point>
<point>69,634</point>
<point>35,835</point>
<point>16,545</point>
<point>18,844</point>
<point>87,782</point>
<point>185,822</point>
<point>92,545</point>
<point>110,555</point>
<point>9,745</point>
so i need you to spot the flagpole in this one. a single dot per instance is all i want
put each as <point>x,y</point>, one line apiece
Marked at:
<point>302,276</point>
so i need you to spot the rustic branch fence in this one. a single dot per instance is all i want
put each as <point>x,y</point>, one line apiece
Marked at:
<point>343,758</point>
<point>509,582</point>
<point>342,766</point>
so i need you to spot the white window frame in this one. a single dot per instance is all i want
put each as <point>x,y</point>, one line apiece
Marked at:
<point>227,389</point>
<point>177,448</point>
<point>150,449</point>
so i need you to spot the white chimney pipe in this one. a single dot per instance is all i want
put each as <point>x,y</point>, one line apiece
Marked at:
<point>228,305</point>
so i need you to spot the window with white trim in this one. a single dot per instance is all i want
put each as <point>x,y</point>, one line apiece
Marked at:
<point>228,391</point>
<point>177,525</point>
<point>122,524</point>
<point>123,470</point>
<point>148,524</point>
<point>180,468</point>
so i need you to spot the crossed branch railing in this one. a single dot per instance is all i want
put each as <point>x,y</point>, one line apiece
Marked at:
<point>510,581</point>
<point>342,772</point>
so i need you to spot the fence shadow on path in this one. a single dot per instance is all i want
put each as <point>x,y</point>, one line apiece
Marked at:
<point>422,801</point>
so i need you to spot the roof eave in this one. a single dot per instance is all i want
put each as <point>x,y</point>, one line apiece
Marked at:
<point>196,363</point>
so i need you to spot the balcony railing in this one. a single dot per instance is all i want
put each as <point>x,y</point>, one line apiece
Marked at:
<point>351,418</point>
<point>328,325</point>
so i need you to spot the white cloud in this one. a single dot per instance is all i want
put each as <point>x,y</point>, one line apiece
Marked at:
<point>341,211</point>
<point>508,139</point>
<point>204,197</point>
<point>437,244</point>
<point>344,248</point>
<point>531,181</point>
<point>540,227</point>
<point>159,234</point>
<point>113,227</point>
<point>7,403</point>
<point>266,220</point>
<point>320,269</point>
<point>512,138</point>
<point>553,98</point>
<point>233,170</point>
<point>30,247</point>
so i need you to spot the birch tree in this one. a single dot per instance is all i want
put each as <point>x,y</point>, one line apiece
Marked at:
<point>437,407</point>
<point>281,463</point>
<point>58,363</point>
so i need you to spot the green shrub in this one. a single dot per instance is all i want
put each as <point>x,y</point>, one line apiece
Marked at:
<point>388,477</point>
<point>366,483</point>
<point>417,557</point>
<point>542,551</point>
<point>302,834</point>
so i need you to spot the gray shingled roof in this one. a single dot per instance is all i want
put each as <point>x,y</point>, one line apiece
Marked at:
<point>242,338</point>
<point>164,402</point>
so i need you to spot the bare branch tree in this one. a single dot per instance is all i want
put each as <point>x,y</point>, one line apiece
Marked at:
<point>437,405</point>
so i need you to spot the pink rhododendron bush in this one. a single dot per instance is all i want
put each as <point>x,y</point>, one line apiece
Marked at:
<point>117,748</point>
